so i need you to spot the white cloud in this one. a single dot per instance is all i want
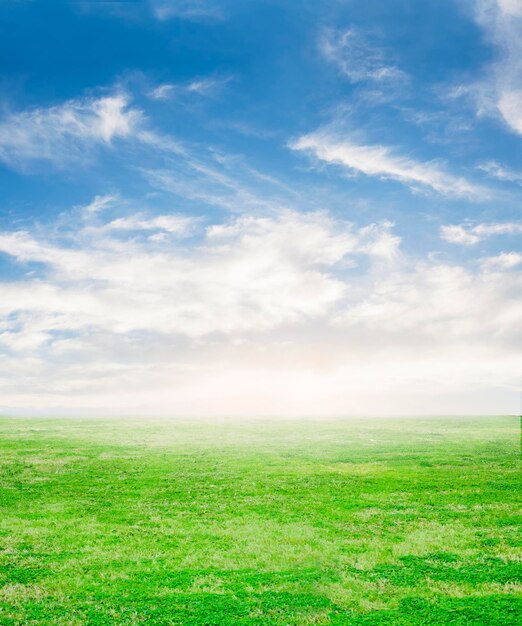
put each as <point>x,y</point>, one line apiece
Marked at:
<point>250,274</point>
<point>382,162</point>
<point>436,299</point>
<point>470,235</point>
<point>510,7</point>
<point>65,132</point>
<point>503,261</point>
<point>502,21</point>
<point>455,233</point>
<point>175,224</point>
<point>357,58</point>
<point>510,106</point>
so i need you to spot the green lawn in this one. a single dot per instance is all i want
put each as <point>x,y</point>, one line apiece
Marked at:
<point>412,521</point>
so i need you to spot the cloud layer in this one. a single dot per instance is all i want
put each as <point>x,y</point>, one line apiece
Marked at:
<point>128,314</point>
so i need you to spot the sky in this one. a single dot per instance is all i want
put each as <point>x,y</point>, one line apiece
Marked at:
<point>260,208</point>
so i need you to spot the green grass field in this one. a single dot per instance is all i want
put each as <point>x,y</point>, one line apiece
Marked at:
<point>412,521</point>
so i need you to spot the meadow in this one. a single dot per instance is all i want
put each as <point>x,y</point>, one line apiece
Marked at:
<point>357,521</point>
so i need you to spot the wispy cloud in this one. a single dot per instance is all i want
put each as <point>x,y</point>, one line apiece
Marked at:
<point>70,133</point>
<point>470,235</point>
<point>98,204</point>
<point>164,91</point>
<point>198,181</point>
<point>357,58</point>
<point>207,86</point>
<point>204,86</point>
<point>186,9</point>
<point>382,162</point>
<point>65,132</point>
<point>222,180</point>
<point>495,170</point>
<point>162,10</point>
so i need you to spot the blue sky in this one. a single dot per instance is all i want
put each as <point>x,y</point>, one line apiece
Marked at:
<point>260,208</point>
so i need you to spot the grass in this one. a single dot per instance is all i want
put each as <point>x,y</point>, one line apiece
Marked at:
<point>357,522</point>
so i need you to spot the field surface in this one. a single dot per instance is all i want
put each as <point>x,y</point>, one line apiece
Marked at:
<point>411,521</point>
